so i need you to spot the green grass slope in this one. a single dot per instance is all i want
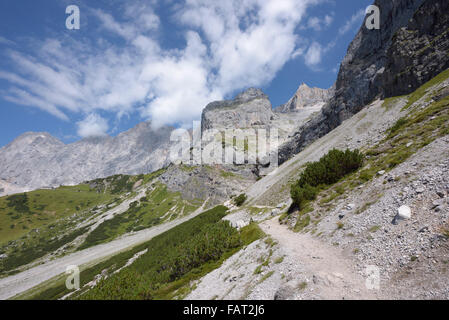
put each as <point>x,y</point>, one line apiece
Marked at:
<point>158,206</point>
<point>36,223</point>
<point>21,213</point>
<point>173,260</point>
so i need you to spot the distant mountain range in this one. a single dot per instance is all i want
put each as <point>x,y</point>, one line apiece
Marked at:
<point>38,160</point>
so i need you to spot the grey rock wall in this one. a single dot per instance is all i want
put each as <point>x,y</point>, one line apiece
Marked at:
<point>409,49</point>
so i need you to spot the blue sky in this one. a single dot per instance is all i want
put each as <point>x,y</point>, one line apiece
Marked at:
<point>132,61</point>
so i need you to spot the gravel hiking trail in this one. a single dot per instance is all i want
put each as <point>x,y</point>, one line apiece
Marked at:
<point>334,276</point>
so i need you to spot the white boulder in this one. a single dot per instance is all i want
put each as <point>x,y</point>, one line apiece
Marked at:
<point>404,213</point>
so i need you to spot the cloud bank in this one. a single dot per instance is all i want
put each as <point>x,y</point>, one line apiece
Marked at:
<point>229,45</point>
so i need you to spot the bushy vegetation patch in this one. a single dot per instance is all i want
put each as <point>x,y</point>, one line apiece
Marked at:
<point>170,256</point>
<point>328,170</point>
<point>174,258</point>
<point>22,213</point>
<point>115,184</point>
<point>240,200</point>
<point>178,253</point>
<point>19,202</point>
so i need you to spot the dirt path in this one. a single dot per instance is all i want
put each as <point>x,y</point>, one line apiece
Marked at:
<point>18,283</point>
<point>334,275</point>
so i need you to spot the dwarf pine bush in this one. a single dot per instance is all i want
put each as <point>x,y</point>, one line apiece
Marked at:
<point>328,170</point>
<point>240,200</point>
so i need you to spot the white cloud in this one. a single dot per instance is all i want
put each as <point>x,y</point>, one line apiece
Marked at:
<point>313,55</point>
<point>250,40</point>
<point>92,126</point>
<point>108,22</point>
<point>352,23</point>
<point>137,18</point>
<point>298,52</point>
<point>230,45</point>
<point>314,23</point>
<point>319,24</point>
<point>328,20</point>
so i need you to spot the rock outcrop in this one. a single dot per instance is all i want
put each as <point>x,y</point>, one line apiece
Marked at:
<point>409,49</point>
<point>216,184</point>
<point>419,51</point>
<point>250,109</point>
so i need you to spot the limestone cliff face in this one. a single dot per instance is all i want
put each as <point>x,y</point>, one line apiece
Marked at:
<point>305,97</point>
<point>250,109</point>
<point>214,183</point>
<point>409,49</point>
<point>419,51</point>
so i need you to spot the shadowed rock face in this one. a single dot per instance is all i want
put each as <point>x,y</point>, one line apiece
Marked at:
<point>409,49</point>
<point>36,160</point>
<point>418,51</point>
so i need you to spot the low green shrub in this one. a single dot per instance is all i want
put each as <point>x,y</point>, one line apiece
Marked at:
<point>300,195</point>
<point>19,202</point>
<point>40,249</point>
<point>328,170</point>
<point>240,200</point>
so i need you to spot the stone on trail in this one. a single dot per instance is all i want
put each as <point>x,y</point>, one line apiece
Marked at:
<point>404,213</point>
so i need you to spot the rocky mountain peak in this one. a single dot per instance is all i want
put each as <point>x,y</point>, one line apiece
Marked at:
<point>36,159</point>
<point>36,138</point>
<point>32,143</point>
<point>305,97</point>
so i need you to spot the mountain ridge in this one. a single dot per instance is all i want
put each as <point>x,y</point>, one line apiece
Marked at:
<point>38,159</point>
